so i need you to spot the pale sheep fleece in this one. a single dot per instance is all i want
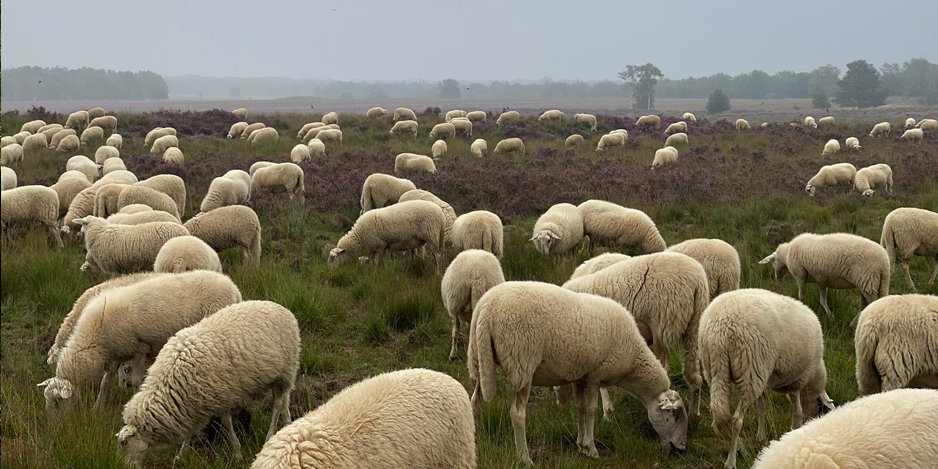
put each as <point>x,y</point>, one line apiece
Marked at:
<point>559,230</point>
<point>125,248</point>
<point>911,232</point>
<point>676,139</point>
<point>316,148</point>
<point>236,130</point>
<point>664,156</point>
<point>623,132</point>
<point>444,130</point>
<point>105,122</point>
<point>59,136</point>
<point>77,119</point>
<point>30,205</point>
<point>174,155</point>
<point>330,135</point>
<point>413,163</point>
<point>21,137</point>
<point>82,205</point>
<point>479,230</point>
<point>573,141</point>
<point>139,218</point>
<point>38,142</point>
<point>163,143</point>
<point>152,198</point>
<point>477,116</point>
<point>479,148</point>
<point>610,140</point>
<point>184,254</point>
<point>105,199</point>
<point>381,190</point>
<point>825,121</point>
<point>450,115</point>
<point>587,118</point>
<point>742,124</point>
<point>509,145</point>
<point>402,113</point>
<point>756,340</point>
<point>96,112</point>
<point>508,117</point>
<point>330,118</point>
<point>831,175</point>
<point>250,129</point>
<point>240,113</point>
<point>91,134</point>
<point>105,152</point>
<point>413,418</point>
<point>116,177</point>
<point>229,227</point>
<point>173,186</point>
<point>719,260</point>
<point>438,149</point>
<point>134,208</point>
<point>809,122</point>
<point>11,154</point>
<point>67,189</point>
<point>462,125</point>
<point>68,144</point>
<point>299,153</point>
<point>551,115</point>
<point>852,143</point>
<point>873,177</point>
<point>50,130</point>
<point>286,175</point>
<point>911,134</point>
<point>9,178</point>
<point>910,123</point>
<point>648,121</point>
<point>32,126</point>
<point>408,126</point>
<point>258,165</point>
<point>113,164</point>
<point>376,112</point>
<point>605,223</point>
<point>881,128</point>
<point>8,140</point>
<point>115,140</point>
<point>472,273</point>
<point>832,146</point>
<point>595,264</point>
<point>679,126</point>
<point>267,135</point>
<point>930,125</point>
<point>689,117</point>
<point>448,211</point>
<point>894,430</point>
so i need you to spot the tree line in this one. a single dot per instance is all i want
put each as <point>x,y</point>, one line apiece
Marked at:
<point>39,84</point>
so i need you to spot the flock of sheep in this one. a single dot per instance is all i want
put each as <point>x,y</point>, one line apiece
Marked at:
<point>196,350</point>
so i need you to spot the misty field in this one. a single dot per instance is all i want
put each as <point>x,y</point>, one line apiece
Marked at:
<point>360,320</point>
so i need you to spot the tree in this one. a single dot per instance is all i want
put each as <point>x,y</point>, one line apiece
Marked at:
<point>825,78</point>
<point>718,102</point>
<point>819,99</point>
<point>449,89</point>
<point>861,86</point>
<point>642,79</point>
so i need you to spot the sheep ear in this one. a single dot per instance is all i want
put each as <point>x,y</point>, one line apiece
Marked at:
<point>555,236</point>
<point>827,402</point>
<point>768,259</point>
<point>45,383</point>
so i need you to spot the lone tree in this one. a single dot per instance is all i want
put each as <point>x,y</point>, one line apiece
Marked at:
<point>642,79</point>
<point>819,99</point>
<point>861,86</point>
<point>718,102</point>
<point>449,89</point>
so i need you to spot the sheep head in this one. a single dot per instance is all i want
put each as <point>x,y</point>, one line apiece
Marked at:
<point>57,392</point>
<point>868,193</point>
<point>668,417</point>
<point>543,240</point>
<point>777,259</point>
<point>336,257</point>
<point>811,190</point>
<point>131,445</point>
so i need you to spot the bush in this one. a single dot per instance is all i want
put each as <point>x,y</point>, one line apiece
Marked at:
<point>819,99</point>
<point>718,102</point>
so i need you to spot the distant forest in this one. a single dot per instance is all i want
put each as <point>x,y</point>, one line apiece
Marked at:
<point>38,84</point>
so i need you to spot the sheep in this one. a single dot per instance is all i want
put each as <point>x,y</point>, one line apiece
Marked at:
<point>404,226</point>
<point>184,254</point>
<point>610,140</point>
<point>330,118</point>
<point>533,331</point>
<point>11,154</point>
<point>894,430</point>
<point>838,261</point>
<point>96,112</point>
<point>258,165</point>
<point>316,148</point>
<point>648,121</point>
<point>742,124</point>
<point>38,142</point>
<point>68,144</point>
<point>286,175</point>
<point>448,211</point>
<point>719,260</point>
<point>105,152</point>
<point>139,194</point>
<point>479,230</point>
<point>32,126</point>
<point>759,340</point>
<point>139,218</point>
<point>21,137</point>
<point>679,126</point>
<point>330,135</point>
<point>313,133</point>
<point>133,209</point>
<point>91,134</point>
<point>113,164</point>
<point>250,129</point>
<point>472,273</point>
<point>509,145</point>
<point>573,140</point>
<point>825,121</point>
<point>629,228</point>
<point>404,114</point>
<point>105,199</point>
<point>809,122</point>
<point>455,113</point>
<point>376,112</point>
<point>50,130</point>
<point>831,175</point>
<point>559,230</point>
<point>240,113</point>
<point>831,147</point>
<point>508,117</point>
<point>438,149</point>
<point>236,129</point>
<point>61,135</point>
<point>115,140</point>
<point>267,135</point>
<point>74,174</point>
<point>381,190</point>
<point>477,116</point>
<point>408,126</point>
<point>8,140</point>
<point>411,418</point>
<point>174,187</point>
<point>587,118</point>
<point>930,125</point>
<point>307,127</point>
<point>664,156</point>
<point>8,178</point>
<point>124,248</point>
<point>174,155</point>
<point>444,130</point>
<point>229,227</point>
<point>911,134</point>
<point>852,144</point>
<point>300,153</point>
<point>161,144</point>
<point>676,139</point>
<point>105,122</point>
<point>462,125</point>
<point>67,189</point>
<point>117,177</point>
<point>412,163</point>
<point>31,205</point>
<point>595,264</point>
<point>880,129</point>
<point>913,232</point>
<point>81,206</point>
<point>479,148</point>
<point>689,117</point>
<point>873,177</point>
<point>910,123</point>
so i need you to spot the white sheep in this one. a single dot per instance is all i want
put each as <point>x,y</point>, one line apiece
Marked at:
<point>408,126</point>
<point>559,230</point>
<point>837,261</point>
<point>316,148</point>
<point>300,153</point>
<point>376,112</point>
<point>479,148</point>
<point>105,199</point>
<point>438,149</point>
<point>573,140</point>
<point>258,165</point>
<point>236,129</point>
<point>265,136</point>
<point>689,117</point>
<point>91,134</point>
<point>719,260</point>
<point>444,130</point>
<point>250,129</point>
<point>587,118</point>
<point>664,156</point>
<point>450,115</point>
<point>59,136</point>
<point>910,123</point>
<point>911,232</point>
<point>676,139</point>
<point>21,137</point>
<point>463,126</point>
<point>508,117</point>
<point>411,418</point>
<point>595,264</point>
<point>479,230</point>
<point>930,125</point>
<point>8,178</point>
<point>38,142</point>
<point>229,227</point>
<point>96,112</point>
<point>67,189</point>
<point>174,187</point>
<point>117,177</point>
<point>742,124</point>
<point>8,140</point>
<point>32,126</point>
<point>509,145</point>
<point>77,119</point>
<point>50,130</point>
<point>330,135</point>
<point>605,222</point>
<point>381,190</point>
<point>809,122</point>
<point>544,335</point>
<point>873,177</point>
<point>402,114</point>
<point>139,218</point>
<point>113,164</point>
<point>852,144</point>
<point>330,118</point>
<point>286,175</point>
<point>880,129</point>
<point>73,174</point>
<point>105,122</point>
<point>472,273</point>
<point>825,121</point>
<point>911,134</point>
<point>161,144</point>
<point>105,152</point>
<point>140,194</point>
<point>894,430</point>
<point>115,140</point>
<point>11,154</point>
<point>756,340</point>
<point>610,140</point>
<point>240,113</point>
<point>174,155</point>
<point>448,211</point>
<point>307,127</point>
<point>679,126</point>
<point>477,116</point>
<point>413,163</point>
<point>29,205</point>
<point>648,121</point>
<point>68,144</point>
<point>831,175</point>
<point>124,248</point>
<point>184,254</point>
<point>831,147</point>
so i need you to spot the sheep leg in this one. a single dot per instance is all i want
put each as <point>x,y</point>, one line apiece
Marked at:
<point>453,354</point>
<point>827,309</point>
<point>908,276</point>
<point>277,407</point>
<point>744,402</point>
<point>518,416</point>
<point>580,390</point>
<point>562,394</point>
<point>106,383</point>
<point>800,282</point>
<point>661,352</point>
<point>232,438</point>
<point>934,273</point>
<point>591,400</point>
<point>476,400</point>
<point>796,415</point>
<point>760,431</point>
<point>608,408</point>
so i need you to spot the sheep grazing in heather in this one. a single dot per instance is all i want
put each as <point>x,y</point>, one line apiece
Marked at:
<point>67,189</point>
<point>68,144</point>
<point>610,140</point>
<point>664,156</point>
<point>742,124</point>
<point>911,232</point>
<point>413,163</point>
<point>831,175</point>
<point>105,122</point>
<point>438,150</point>
<point>161,144</point>
<point>32,126</point>
<point>316,148</point>
<point>115,140</point>
<point>184,254</point>
<point>852,144</point>
<point>240,113</point>
<point>407,126</point>
<point>607,223</point>
<point>509,145</point>
<point>9,178</point>
<point>913,134</point>
<point>91,134</point>
<point>463,126</point>
<point>881,129</point>
<point>455,113</point>
<point>223,228</point>
<point>404,114</point>
<point>477,116</point>
<point>236,130</point>
<point>587,119</point>
<point>689,117</point>
<point>873,177</point>
<point>330,118</point>
<point>29,205</point>
<point>112,164</point>
<point>286,175</point>
<point>77,119</point>
<point>910,123</point>
<point>809,122</point>
<point>38,142</point>
<point>679,138</point>
<point>479,230</point>
<point>645,122</point>
<point>105,152</point>
<point>443,131</point>
<point>831,147</point>
<point>174,155</point>
<point>508,117</point>
<point>825,121</point>
<point>551,115</point>
<point>679,126</point>
<point>121,248</point>
<point>928,125</point>
<point>559,230</point>
<point>472,273</point>
<point>595,264</point>
<point>719,260</point>
<point>479,148</point>
<point>59,136</point>
<point>11,154</point>
<point>299,153</point>
<point>573,141</point>
<point>381,190</point>
<point>376,112</point>
<point>447,209</point>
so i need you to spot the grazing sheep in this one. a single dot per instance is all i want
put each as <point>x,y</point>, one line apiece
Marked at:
<point>38,142</point>
<point>742,124</point>
<point>831,175</point>
<point>50,130</point>
<point>77,119</point>
<point>32,126</point>
<point>543,335</point>
<point>316,148</point>
<point>910,123</point>
<point>468,277</point>
<point>105,122</point>
<point>809,122</point>
<point>719,260</point>
<point>477,116</point>
<point>595,264</point>
<point>240,113</point>
<point>376,112</point>
<point>8,178</point>
<point>174,187</point>
<point>21,137</point>
<point>330,118</point>
<point>610,140</point>
<point>68,144</point>
<point>463,126</point>
<point>184,254</point>
<point>838,261</point>
<point>438,149</point>
<point>587,118</point>
<point>59,136</point>
<point>408,126</point>
<point>404,114</point>
<point>676,139</point>
<point>312,133</point>
<point>105,199</point>
<point>174,155</point>
<point>509,145</point>
<point>96,112</point>
<point>832,146</point>
<point>161,144</point>
<point>880,129</point>
<point>113,164</point>
<point>689,117</point>
<point>930,125</point>
<point>911,134</point>
<point>330,135</point>
<point>67,189</point>
<point>286,175</point>
<point>648,121</point>
<point>479,230</point>
<point>82,205</point>
<point>307,127</point>
<point>229,227</point>
<point>105,152</point>
<point>479,148</point>
<point>852,144</point>
<point>139,194</point>
<point>508,117</point>
<point>124,248</point>
<point>115,140</point>
<point>913,232</point>
<point>606,222</point>
<point>623,132</point>
<point>29,205</point>
<point>11,154</point>
<point>758,340</point>
<point>91,134</point>
<point>444,131</point>
<point>873,177</point>
<point>236,130</point>
<point>894,430</point>
<point>448,211</point>
<point>679,126</point>
<point>250,129</point>
<point>139,218</point>
<point>381,190</point>
<point>450,115</point>
<point>559,230</point>
<point>116,177</point>
<point>8,140</point>
<point>73,174</point>
<point>411,418</point>
<point>825,122</point>
<point>265,136</point>
<point>300,153</point>
<point>412,163</point>
<point>573,141</point>
<point>664,156</point>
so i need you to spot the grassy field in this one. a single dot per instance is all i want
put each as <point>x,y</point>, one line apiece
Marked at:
<point>356,321</point>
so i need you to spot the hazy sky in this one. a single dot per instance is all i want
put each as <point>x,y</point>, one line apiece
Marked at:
<point>469,39</point>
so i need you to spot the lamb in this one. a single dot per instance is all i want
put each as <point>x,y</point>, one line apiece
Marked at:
<point>559,230</point>
<point>450,115</point>
<point>174,155</point>
<point>250,129</point>
<point>910,123</point>
<point>508,117</point>
<point>229,227</point>
<point>477,116</point>
<point>67,189</point>
<point>236,130</point>
<point>152,198</point>
<point>610,140</point>
<point>139,218</point>
<point>161,144</point>
<point>409,126</point>
<point>873,177</point>
<point>404,226</point>
<point>911,134</point>
<point>838,261</point>
<point>438,149</point>
<point>105,122</point>
<point>573,140</point>
<point>509,145</point>
<point>330,118</point>
<point>719,260</point>
<point>587,118</point>
<point>809,122</point>
<point>376,112</point>
<point>11,154</point>
<point>404,114</point>
<point>880,129</point>
<point>605,222</point>
<point>894,430</point>
<point>462,125</point>
<point>852,144</point>
<point>30,205</point>
<point>444,130</point>
<point>59,136</point>
<point>742,124</point>
<point>825,121</point>
<point>381,190</point>
<point>265,136</point>
<point>330,135</point>
<point>831,175</point>
<point>286,175</point>
<point>689,117</point>
<point>32,126</point>
<point>679,126</point>
<point>300,153</point>
<point>91,134</point>
<point>759,340</point>
<point>930,125</point>
<point>105,152</point>
<point>913,232</point>
<point>96,112</point>
<point>648,121</point>
<point>664,156</point>
<point>472,273</point>
<point>68,144</point>
<point>447,209</point>
<point>676,139</point>
<point>412,163</point>
<point>38,142</point>
<point>8,178</point>
<point>479,148</point>
<point>115,140</point>
<point>132,322</point>
<point>479,230</point>
<point>316,148</point>
<point>411,418</point>
<point>122,248</point>
<point>184,254</point>
<point>240,113</point>
<point>535,328</point>
<point>595,264</point>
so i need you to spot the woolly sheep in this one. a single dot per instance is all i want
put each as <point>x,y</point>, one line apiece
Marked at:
<point>837,261</point>
<point>91,134</point>
<point>30,205</point>
<point>161,144</point>
<point>719,260</point>
<point>597,263</point>
<point>229,227</point>
<point>330,135</point>
<point>758,340</point>
<point>173,186</point>
<point>664,156</point>
<point>910,123</point>
<point>831,175</point>
<point>84,165</point>
<point>881,128</point>
<point>444,130</point>
<point>438,149</point>
<point>573,141</point>
<point>38,142</point>
<point>605,222</point>
<point>930,125</point>
<point>536,329</point>
<point>67,189</point>
<point>21,137</point>
<point>894,430</point>
<point>610,140</point>
<point>402,113</point>
<point>911,232</point>
<point>381,190</point>
<point>174,155</point>
<point>264,136</point>
<point>299,153</point>
<point>96,112</point>
<point>60,135</point>
<point>134,209</point>
<point>316,148</point>
<point>648,121</point>
<point>477,116</point>
<point>873,177</point>
<point>250,129</point>
<point>825,121</point>
<point>462,125</point>
<point>472,273</point>
<point>113,164</point>
<point>450,115</point>
<point>404,226</point>
<point>32,126</point>
<point>852,143</point>
<point>376,112</point>
<point>115,140</point>
<point>240,113</point>
<point>676,139</point>
<point>509,145</point>
<point>286,175</point>
<point>623,132</point>
<point>911,134</point>
<point>8,140</point>
<point>832,146</point>
<point>124,248</point>
<point>312,133</point>
<point>411,418</point>
<point>105,199</point>
<point>330,118</point>
<point>408,126</point>
<point>587,118</point>
<point>508,117</point>
<point>82,205</point>
<point>105,122</point>
<point>50,130</point>
<point>119,177</point>
<point>448,213</point>
<point>559,230</point>
<point>479,148</point>
<point>184,254</point>
<point>11,154</point>
<point>742,124</point>
<point>152,198</point>
<point>479,230</point>
<point>679,126</point>
<point>412,163</point>
<point>8,178</point>
<point>809,122</point>
<point>68,144</point>
<point>139,218</point>
<point>105,152</point>
<point>236,130</point>
<point>689,117</point>
<point>307,127</point>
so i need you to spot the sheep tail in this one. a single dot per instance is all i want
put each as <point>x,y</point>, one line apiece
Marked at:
<point>482,358</point>
<point>720,377</point>
<point>868,378</point>
<point>256,248</point>
<point>300,187</point>
<point>367,203</point>
<point>888,242</point>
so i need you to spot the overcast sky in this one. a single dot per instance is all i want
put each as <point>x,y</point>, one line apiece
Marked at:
<point>470,39</point>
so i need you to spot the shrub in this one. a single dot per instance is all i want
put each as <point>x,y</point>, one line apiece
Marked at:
<point>718,102</point>
<point>819,99</point>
